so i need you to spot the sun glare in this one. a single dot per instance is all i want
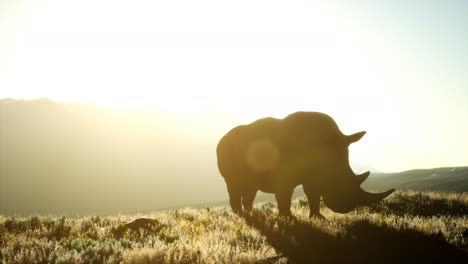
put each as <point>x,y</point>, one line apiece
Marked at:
<point>182,64</point>
<point>193,58</point>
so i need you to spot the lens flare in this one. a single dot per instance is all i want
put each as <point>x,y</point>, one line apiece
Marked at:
<point>263,155</point>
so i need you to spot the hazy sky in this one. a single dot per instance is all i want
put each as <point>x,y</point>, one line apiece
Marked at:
<point>398,69</point>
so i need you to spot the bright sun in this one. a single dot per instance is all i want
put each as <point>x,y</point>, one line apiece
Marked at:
<point>244,59</point>
<point>250,67</point>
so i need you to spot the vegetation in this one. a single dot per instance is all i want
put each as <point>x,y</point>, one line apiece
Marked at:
<point>405,227</point>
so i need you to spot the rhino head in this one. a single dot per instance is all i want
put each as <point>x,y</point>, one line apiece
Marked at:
<point>341,189</point>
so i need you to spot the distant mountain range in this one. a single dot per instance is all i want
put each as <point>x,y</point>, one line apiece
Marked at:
<point>451,179</point>
<point>80,158</point>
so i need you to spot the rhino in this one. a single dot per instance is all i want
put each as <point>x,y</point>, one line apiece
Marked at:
<point>277,155</point>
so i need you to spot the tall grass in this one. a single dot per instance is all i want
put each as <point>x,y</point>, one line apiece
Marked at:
<point>407,226</point>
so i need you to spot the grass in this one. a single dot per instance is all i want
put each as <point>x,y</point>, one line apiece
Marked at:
<point>406,227</point>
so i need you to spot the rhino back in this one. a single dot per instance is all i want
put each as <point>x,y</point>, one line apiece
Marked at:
<point>310,129</point>
<point>233,148</point>
<point>269,144</point>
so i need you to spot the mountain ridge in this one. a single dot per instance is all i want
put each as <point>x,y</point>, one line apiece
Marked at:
<point>86,158</point>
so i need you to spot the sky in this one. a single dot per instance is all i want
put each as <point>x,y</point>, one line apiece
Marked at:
<point>397,69</point>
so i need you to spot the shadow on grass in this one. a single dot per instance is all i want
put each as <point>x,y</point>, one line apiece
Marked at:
<point>363,242</point>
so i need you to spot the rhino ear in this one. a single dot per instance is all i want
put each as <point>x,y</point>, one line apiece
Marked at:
<point>355,137</point>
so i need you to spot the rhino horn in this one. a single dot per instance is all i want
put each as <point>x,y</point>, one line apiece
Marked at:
<point>354,137</point>
<point>365,198</point>
<point>362,177</point>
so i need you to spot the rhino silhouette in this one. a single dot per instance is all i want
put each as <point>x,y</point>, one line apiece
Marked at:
<point>276,155</point>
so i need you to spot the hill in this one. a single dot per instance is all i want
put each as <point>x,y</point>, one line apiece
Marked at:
<point>406,227</point>
<point>89,159</point>
<point>453,179</point>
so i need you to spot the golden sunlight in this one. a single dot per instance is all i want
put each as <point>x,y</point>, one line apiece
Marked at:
<point>137,131</point>
<point>278,59</point>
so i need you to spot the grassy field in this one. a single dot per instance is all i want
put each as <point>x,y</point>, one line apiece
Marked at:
<point>406,227</point>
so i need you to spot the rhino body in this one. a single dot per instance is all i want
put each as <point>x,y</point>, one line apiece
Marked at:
<point>276,155</point>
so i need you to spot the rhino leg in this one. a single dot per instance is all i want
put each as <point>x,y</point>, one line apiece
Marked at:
<point>248,197</point>
<point>283,198</point>
<point>313,197</point>
<point>234,198</point>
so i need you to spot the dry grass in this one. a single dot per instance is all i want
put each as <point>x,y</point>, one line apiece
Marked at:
<point>407,226</point>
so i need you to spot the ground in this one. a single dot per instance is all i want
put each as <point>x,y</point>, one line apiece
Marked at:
<point>413,227</point>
